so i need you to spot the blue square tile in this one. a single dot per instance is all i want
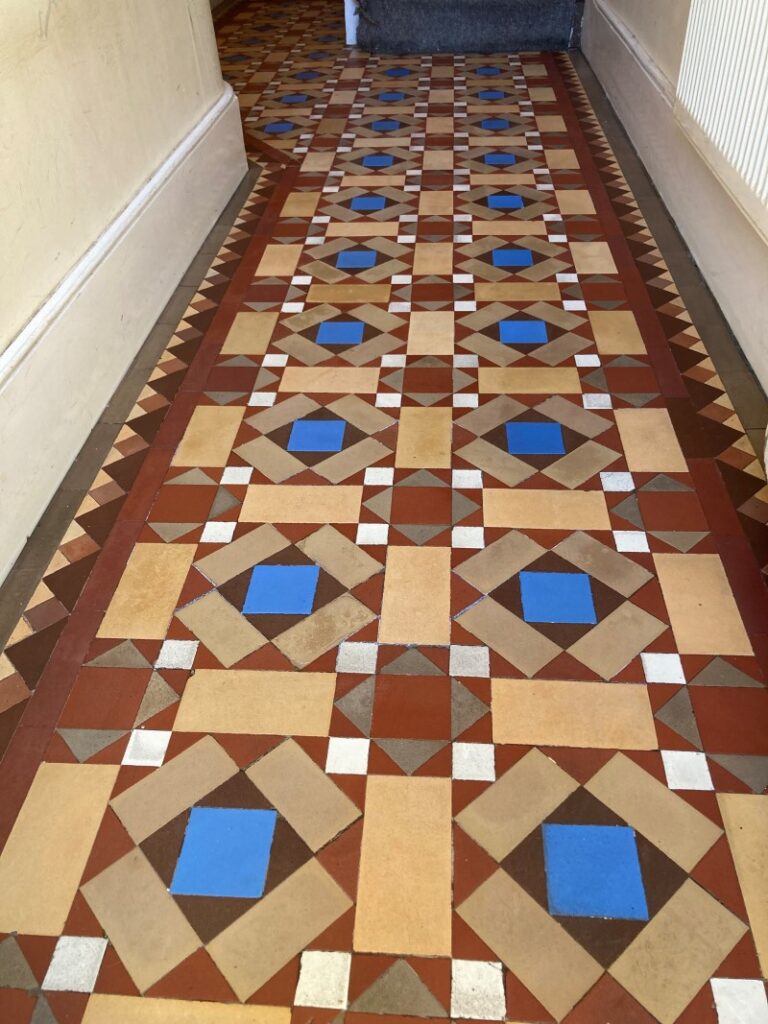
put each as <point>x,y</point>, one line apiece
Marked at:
<point>340,332</point>
<point>502,202</point>
<point>535,438</point>
<point>387,124</point>
<point>523,332</point>
<point>398,72</point>
<point>317,436</point>
<point>512,258</point>
<point>295,97</point>
<point>378,160</point>
<point>594,871</point>
<point>225,853</point>
<point>279,127</point>
<point>491,94</point>
<point>557,597</point>
<point>391,97</point>
<point>494,124</point>
<point>488,71</point>
<point>499,159</point>
<point>281,590</point>
<point>356,259</point>
<point>307,76</point>
<point>363,203</point>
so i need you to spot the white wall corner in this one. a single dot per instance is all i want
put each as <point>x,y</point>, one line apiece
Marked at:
<point>60,372</point>
<point>728,249</point>
<point>351,18</point>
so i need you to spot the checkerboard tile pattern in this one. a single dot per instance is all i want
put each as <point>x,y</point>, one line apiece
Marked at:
<point>424,674</point>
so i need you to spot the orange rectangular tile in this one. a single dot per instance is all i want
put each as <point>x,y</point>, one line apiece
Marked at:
<point>561,159</point>
<point>362,229</point>
<point>522,291</point>
<point>592,258</point>
<point>301,204</point>
<point>504,178</point>
<point>250,334</point>
<point>424,438</point>
<point>209,436</point>
<point>616,332</point>
<point>148,591</point>
<point>649,441</point>
<point>546,510</point>
<point>279,261</point>
<point>574,201</point>
<point>367,180</point>
<point>376,294</point>
<point>281,503</point>
<point>509,228</point>
<point>416,603</point>
<point>534,380</point>
<point>317,163</point>
<point>325,380</point>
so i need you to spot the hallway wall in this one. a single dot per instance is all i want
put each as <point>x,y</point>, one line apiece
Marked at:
<point>121,144</point>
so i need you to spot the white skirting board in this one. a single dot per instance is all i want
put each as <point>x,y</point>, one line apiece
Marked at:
<point>729,251</point>
<point>60,372</point>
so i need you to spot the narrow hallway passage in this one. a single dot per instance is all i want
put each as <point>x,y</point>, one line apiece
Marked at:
<point>420,672</point>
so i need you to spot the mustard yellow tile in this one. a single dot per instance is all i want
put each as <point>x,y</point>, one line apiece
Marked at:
<point>436,204</point>
<point>431,333</point>
<point>700,604</point>
<point>561,159</point>
<point>209,437</point>
<point>441,95</point>
<point>260,703</point>
<point>279,261</point>
<point>542,94</point>
<point>649,441</point>
<point>535,70</point>
<point>433,257</point>
<point>437,160</point>
<point>439,125</point>
<point>550,123</point>
<point>268,503</point>
<point>344,380</point>
<point>745,817</point>
<point>424,438</point>
<point>250,334</point>
<point>404,891</point>
<point>301,204</point>
<point>49,846</point>
<point>148,590</point>
<point>416,604</point>
<point>103,1009</point>
<point>592,258</point>
<point>616,332</point>
<point>576,200</point>
<point>522,291</point>
<point>377,294</point>
<point>549,380</point>
<point>546,510</point>
<point>363,229</point>
<point>566,714</point>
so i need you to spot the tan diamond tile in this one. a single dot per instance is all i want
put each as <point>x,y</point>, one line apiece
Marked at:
<point>323,630</point>
<point>225,632</point>
<point>615,641</point>
<point>270,460</point>
<point>234,558</point>
<point>578,466</point>
<point>339,556</point>
<point>504,558</point>
<point>516,641</point>
<point>602,562</point>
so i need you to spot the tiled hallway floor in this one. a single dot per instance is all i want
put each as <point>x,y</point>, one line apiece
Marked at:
<point>408,656</point>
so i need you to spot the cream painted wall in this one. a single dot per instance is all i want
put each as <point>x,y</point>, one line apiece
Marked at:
<point>94,96</point>
<point>659,26</point>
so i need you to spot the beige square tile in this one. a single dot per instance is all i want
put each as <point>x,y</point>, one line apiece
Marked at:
<point>339,556</point>
<point>208,439</point>
<point>258,703</point>
<point>439,125</point>
<point>433,257</point>
<point>649,441</point>
<point>522,291</point>
<point>602,562</point>
<point>159,797</point>
<point>404,891</point>
<point>316,163</point>
<point>616,332</point>
<point>277,928</point>
<point>241,554</point>
<point>546,510</point>
<point>49,845</point>
<point>436,204</point>
<point>441,95</point>
<point>552,965</point>
<point>416,604</point>
<point>437,160</point>
<point>567,714</point>
<point>324,630</point>
<point>305,796</point>
<point>279,261</point>
<point>309,503</point>
<point>701,606</point>
<point>148,590</point>
<point>250,334</point>
<point>300,204</point>
<point>431,334</point>
<point>745,817</point>
<point>343,96</point>
<point>592,258</point>
<point>616,640</point>
<point>535,70</point>
<point>561,159</point>
<point>660,815</point>
<point>542,94</point>
<point>227,634</point>
<point>142,920</point>
<point>677,952</point>
<point>505,813</point>
<point>503,558</point>
<point>350,293</point>
<point>346,380</point>
<point>529,380</point>
<point>424,438</point>
<point>550,123</point>
<point>509,636</point>
<point>103,1009</point>
<point>574,200</point>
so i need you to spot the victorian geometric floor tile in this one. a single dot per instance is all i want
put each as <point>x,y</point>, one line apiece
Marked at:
<point>407,658</point>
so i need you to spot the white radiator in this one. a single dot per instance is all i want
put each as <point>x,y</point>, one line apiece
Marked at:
<point>722,97</point>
